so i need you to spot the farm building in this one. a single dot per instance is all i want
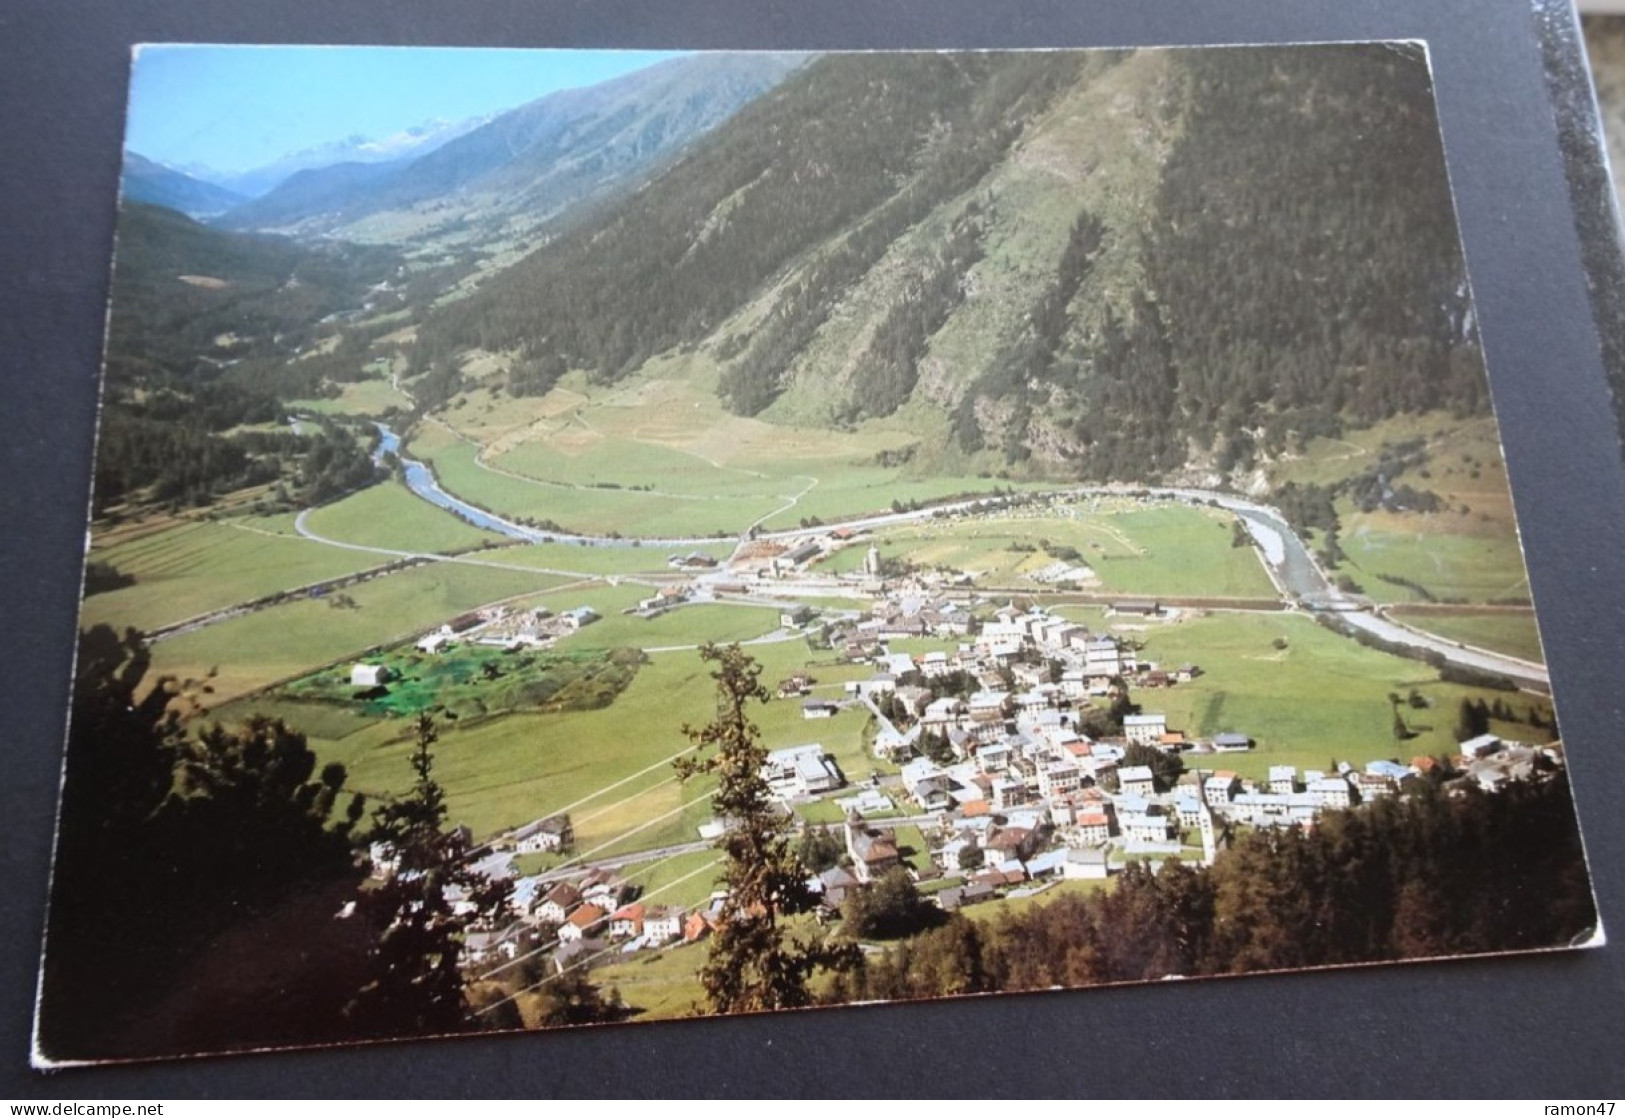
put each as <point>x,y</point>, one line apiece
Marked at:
<point>369,675</point>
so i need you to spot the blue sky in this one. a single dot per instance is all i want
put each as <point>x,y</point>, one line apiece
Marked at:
<point>236,108</point>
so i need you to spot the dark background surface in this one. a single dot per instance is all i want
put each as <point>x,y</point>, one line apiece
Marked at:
<point>1550,1027</point>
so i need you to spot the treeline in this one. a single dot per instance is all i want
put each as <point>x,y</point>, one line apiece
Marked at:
<point>181,464</point>
<point>170,850</point>
<point>1302,272</point>
<point>181,290</point>
<point>847,153</point>
<point>892,356</point>
<point>1427,874</point>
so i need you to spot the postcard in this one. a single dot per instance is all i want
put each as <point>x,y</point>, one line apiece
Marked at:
<point>590,537</point>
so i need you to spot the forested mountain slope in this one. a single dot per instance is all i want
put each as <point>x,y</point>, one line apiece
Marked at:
<point>212,330</point>
<point>1109,264</point>
<point>146,181</point>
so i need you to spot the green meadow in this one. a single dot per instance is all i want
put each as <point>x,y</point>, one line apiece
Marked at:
<point>594,510</point>
<point>1162,549</point>
<point>1467,550</point>
<point>610,768</point>
<point>200,565</point>
<point>390,516</point>
<point>1452,560</point>
<point>658,984</point>
<point>680,879</point>
<point>249,652</point>
<point>1321,698</point>
<point>588,560</point>
<point>1513,632</point>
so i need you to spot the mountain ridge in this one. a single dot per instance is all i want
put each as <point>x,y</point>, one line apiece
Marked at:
<point>148,181</point>
<point>538,157</point>
<point>1116,264</point>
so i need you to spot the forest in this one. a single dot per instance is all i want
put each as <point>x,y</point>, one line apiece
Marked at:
<point>214,331</point>
<point>813,166</point>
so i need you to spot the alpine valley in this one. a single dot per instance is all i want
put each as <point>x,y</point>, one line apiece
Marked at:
<point>1090,453</point>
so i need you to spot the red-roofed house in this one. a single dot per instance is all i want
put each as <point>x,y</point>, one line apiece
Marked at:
<point>561,900</point>
<point>696,927</point>
<point>581,921</point>
<point>627,921</point>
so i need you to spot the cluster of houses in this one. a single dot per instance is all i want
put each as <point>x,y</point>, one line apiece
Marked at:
<point>495,627</point>
<point>595,913</point>
<point>501,627</point>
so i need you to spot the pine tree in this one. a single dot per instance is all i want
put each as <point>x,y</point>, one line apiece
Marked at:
<point>417,984</point>
<point>753,964</point>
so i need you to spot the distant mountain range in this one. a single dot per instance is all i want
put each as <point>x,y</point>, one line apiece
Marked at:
<point>536,159</point>
<point>403,146</point>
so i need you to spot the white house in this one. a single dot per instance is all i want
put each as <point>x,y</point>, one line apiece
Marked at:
<point>802,770</point>
<point>369,675</point>
<point>1136,780</point>
<point>662,923</point>
<point>551,834</point>
<point>561,900</point>
<point>1147,729</point>
<point>1331,791</point>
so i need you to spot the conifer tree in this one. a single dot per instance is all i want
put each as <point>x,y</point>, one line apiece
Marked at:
<point>416,983</point>
<point>753,964</point>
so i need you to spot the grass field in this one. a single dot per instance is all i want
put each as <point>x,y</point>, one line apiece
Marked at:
<point>657,455</point>
<point>658,984</point>
<point>363,397</point>
<point>584,509</point>
<point>1442,552</point>
<point>1322,697</point>
<point>391,516</point>
<point>599,560</point>
<point>1468,550</point>
<point>681,879</point>
<point>992,912</point>
<point>288,640</point>
<point>198,565</point>
<point>1162,549</point>
<point>1511,632</point>
<point>609,768</point>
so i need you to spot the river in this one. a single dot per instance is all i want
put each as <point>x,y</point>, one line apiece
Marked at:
<point>420,479</point>
<point>1294,570</point>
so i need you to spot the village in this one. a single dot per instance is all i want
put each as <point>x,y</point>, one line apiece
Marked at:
<point>1027,755</point>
